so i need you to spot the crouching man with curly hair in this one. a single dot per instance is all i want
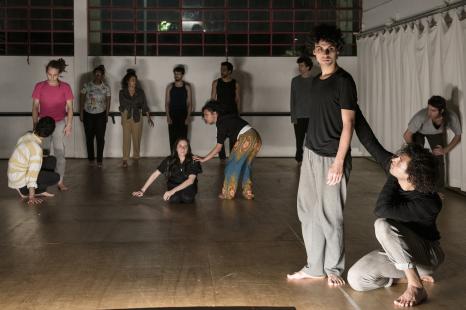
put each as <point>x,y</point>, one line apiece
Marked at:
<point>406,229</point>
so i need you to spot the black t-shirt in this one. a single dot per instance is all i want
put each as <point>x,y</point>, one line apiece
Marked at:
<point>177,172</point>
<point>328,98</point>
<point>229,126</point>
<point>226,95</point>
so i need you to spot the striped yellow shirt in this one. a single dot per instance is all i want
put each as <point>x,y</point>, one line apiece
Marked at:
<point>25,162</point>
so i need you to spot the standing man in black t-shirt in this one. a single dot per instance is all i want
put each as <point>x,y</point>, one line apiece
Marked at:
<point>327,162</point>
<point>225,90</point>
<point>299,103</point>
<point>178,106</point>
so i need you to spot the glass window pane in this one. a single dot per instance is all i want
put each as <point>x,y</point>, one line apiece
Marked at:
<point>169,50</point>
<point>41,24</point>
<point>16,13</point>
<point>41,2</point>
<point>66,14</point>
<point>171,38</point>
<point>237,15</point>
<point>283,51</point>
<point>283,15</point>
<point>237,39</point>
<point>99,3</point>
<point>169,15</point>
<point>214,50</point>
<point>214,15</point>
<point>259,39</point>
<point>41,49</point>
<point>238,27</point>
<point>41,13</point>
<point>238,50</point>
<point>122,3</point>
<point>192,3</point>
<point>259,15</point>
<point>167,3</point>
<point>123,38</point>
<point>303,27</point>
<point>68,3</point>
<point>214,38</point>
<point>192,38</point>
<point>259,27</point>
<point>282,39</point>
<point>99,14</point>
<point>123,50</point>
<point>64,50</point>
<point>237,3</point>
<point>63,25</point>
<point>282,4</point>
<point>17,36</point>
<point>303,4</point>
<point>259,50</point>
<point>214,26</point>
<point>123,26</point>
<point>258,4</point>
<point>303,15</point>
<point>282,27</point>
<point>122,14</point>
<point>191,50</point>
<point>41,37</point>
<point>214,3</point>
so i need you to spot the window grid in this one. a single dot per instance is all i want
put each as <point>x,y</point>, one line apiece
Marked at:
<point>21,33</point>
<point>103,19</point>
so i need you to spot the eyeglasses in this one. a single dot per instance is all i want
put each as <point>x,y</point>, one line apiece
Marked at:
<point>320,50</point>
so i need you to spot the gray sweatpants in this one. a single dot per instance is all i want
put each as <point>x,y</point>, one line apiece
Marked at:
<point>57,139</point>
<point>320,210</point>
<point>403,249</point>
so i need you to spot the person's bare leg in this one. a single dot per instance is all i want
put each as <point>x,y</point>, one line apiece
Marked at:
<point>21,195</point>
<point>414,293</point>
<point>425,278</point>
<point>45,194</point>
<point>334,280</point>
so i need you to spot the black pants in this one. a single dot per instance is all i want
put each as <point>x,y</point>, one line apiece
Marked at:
<point>94,127</point>
<point>186,195</point>
<point>434,140</point>
<point>176,130</point>
<point>300,129</point>
<point>47,176</point>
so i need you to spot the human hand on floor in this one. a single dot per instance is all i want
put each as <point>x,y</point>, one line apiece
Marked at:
<point>168,195</point>
<point>34,201</point>
<point>138,194</point>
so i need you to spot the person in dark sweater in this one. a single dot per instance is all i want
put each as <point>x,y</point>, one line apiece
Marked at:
<point>181,172</point>
<point>406,210</point>
<point>300,102</point>
<point>226,92</point>
<point>248,144</point>
<point>178,106</point>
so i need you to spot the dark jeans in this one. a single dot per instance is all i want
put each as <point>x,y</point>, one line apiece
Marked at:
<point>94,127</point>
<point>434,140</point>
<point>186,195</point>
<point>300,129</point>
<point>176,130</point>
<point>47,176</point>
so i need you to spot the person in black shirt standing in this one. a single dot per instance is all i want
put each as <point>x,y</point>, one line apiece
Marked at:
<point>178,107</point>
<point>248,144</point>
<point>181,172</point>
<point>407,210</point>
<point>299,103</point>
<point>326,165</point>
<point>225,90</point>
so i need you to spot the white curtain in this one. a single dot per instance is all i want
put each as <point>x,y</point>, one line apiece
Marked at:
<point>401,69</point>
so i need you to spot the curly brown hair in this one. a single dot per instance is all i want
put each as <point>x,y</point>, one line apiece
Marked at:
<point>422,168</point>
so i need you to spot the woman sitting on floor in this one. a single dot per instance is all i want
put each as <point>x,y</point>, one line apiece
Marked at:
<point>181,172</point>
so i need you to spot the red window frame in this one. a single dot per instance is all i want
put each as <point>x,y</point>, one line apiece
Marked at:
<point>7,45</point>
<point>315,7</point>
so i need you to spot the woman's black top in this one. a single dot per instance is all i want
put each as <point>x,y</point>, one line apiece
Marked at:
<point>177,172</point>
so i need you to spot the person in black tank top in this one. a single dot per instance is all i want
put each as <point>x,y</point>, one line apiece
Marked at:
<point>178,107</point>
<point>225,90</point>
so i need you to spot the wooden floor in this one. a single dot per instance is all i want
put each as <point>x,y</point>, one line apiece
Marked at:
<point>96,247</point>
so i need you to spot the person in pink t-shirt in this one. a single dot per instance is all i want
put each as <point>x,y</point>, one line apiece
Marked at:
<point>54,98</point>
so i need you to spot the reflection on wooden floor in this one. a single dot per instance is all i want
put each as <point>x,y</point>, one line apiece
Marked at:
<point>96,247</point>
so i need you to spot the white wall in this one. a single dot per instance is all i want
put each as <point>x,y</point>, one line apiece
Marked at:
<point>379,12</point>
<point>265,82</point>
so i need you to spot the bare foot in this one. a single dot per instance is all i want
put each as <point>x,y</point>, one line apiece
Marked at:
<point>221,196</point>
<point>425,278</point>
<point>124,164</point>
<point>411,297</point>
<point>301,275</point>
<point>45,194</point>
<point>334,280</point>
<point>62,187</point>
